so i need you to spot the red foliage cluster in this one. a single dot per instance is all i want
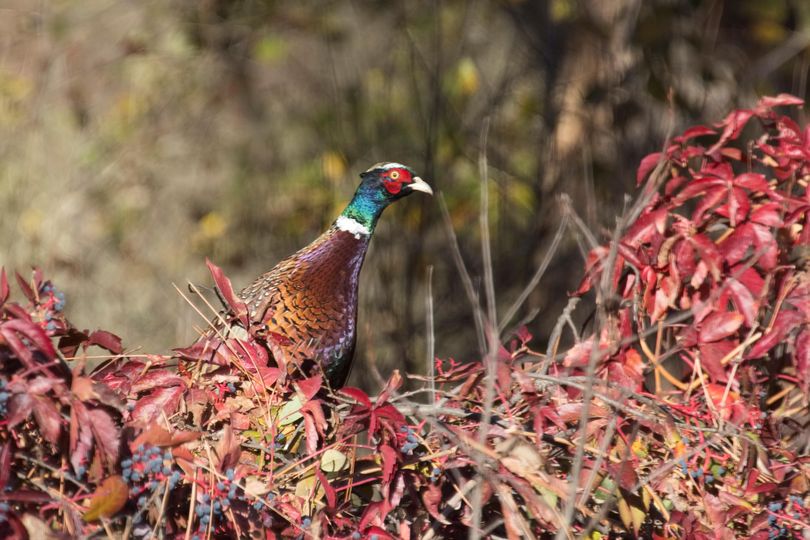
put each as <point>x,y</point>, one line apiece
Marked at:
<point>724,246</point>
<point>693,424</point>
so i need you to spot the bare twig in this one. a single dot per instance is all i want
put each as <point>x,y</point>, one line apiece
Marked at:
<point>538,275</point>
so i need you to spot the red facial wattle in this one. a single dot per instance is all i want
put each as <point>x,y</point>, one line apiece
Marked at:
<point>393,180</point>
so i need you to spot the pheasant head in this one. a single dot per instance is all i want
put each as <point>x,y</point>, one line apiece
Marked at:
<point>381,185</point>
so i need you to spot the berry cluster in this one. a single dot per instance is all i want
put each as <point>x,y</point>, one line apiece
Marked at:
<point>222,388</point>
<point>149,468</point>
<point>259,504</point>
<point>794,508</point>
<point>4,508</point>
<point>4,395</point>
<point>215,500</point>
<point>411,442</point>
<point>51,303</point>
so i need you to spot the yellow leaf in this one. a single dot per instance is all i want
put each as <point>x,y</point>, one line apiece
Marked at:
<point>467,77</point>
<point>334,166</point>
<point>108,499</point>
<point>289,412</point>
<point>333,460</point>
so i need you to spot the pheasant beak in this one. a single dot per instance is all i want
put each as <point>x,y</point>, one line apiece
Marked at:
<point>420,185</point>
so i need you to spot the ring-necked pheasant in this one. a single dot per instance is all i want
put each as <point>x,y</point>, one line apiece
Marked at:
<point>309,300</point>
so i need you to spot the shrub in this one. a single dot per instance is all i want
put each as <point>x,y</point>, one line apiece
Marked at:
<point>682,413</point>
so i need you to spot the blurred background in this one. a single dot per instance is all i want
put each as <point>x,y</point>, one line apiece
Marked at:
<point>138,138</point>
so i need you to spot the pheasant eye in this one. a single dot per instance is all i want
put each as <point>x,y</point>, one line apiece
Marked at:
<point>394,175</point>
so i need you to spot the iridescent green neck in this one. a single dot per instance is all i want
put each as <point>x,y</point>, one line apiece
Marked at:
<point>365,209</point>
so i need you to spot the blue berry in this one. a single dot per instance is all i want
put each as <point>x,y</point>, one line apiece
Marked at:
<point>126,463</point>
<point>142,501</point>
<point>257,505</point>
<point>229,474</point>
<point>774,506</point>
<point>306,522</point>
<point>232,492</point>
<point>221,485</point>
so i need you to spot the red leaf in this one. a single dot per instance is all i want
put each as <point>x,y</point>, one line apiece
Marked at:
<point>33,333</point>
<point>711,198</point>
<point>19,409</point>
<point>709,253</point>
<point>108,499</point>
<point>357,395</point>
<point>781,99</point>
<point>25,287</point>
<point>106,340</point>
<point>156,378</point>
<point>732,125</point>
<point>720,325</point>
<point>238,307</point>
<point>743,301</point>
<point>768,215</point>
<point>696,131</point>
<point>390,412</point>
<point>106,435</point>
<point>4,291</point>
<point>624,473</point>
<point>311,432</point>
<point>646,228</point>
<point>752,181</point>
<point>647,164</point>
<point>389,463</point>
<point>785,322</point>
<point>766,247</point>
<point>393,383</point>
<point>48,419</point>
<point>329,491</point>
<point>310,387</point>
<point>431,498</point>
<point>737,244</point>
<point>81,437</point>
<point>42,385</point>
<point>375,513</point>
<point>153,405</point>
<point>228,449</point>
<point>711,355</point>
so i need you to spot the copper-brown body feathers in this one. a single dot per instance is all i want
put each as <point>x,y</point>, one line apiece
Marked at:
<point>309,302</point>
